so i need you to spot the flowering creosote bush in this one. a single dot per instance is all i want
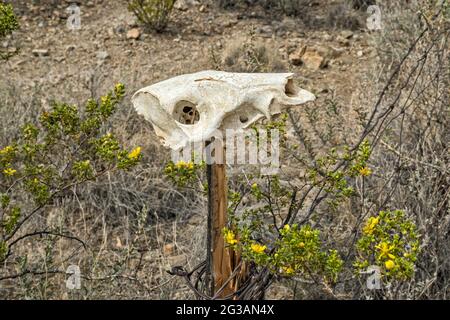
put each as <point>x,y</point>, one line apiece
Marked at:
<point>390,241</point>
<point>66,148</point>
<point>8,23</point>
<point>335,181</point>
<point>267,235</point>
<point>290,249</point>
<point>183,173</point>
<point>299,251</point>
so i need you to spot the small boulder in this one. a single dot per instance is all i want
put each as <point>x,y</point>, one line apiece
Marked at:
<point>102,55</point>
<point>134,34</point>
<point>314,60</point>
<point>347,34</point>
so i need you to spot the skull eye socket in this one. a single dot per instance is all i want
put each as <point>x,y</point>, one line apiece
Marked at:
<point>185,112</point>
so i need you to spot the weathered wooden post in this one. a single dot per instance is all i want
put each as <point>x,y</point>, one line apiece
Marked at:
<point>220,263</point>
<point>200,109</point>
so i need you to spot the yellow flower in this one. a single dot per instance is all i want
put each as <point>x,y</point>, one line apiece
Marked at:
<point>133,155</point>
<point>288,270</point>
<point>385,250</point>
<point>9,171</point>
<point>301,245</point>
<point>180,164</point>
<point>287,227</point>
<point>370,225</point>
<point>254,186</point>
<point>6,150</point>
<point>258,248</point>
<point>104,99</point>
<point>230,238</point>
<point>366,171</point>
<point>389,264</point>
<point>190,165</point>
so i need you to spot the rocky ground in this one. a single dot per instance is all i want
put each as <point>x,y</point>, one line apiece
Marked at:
<point>112,47</point>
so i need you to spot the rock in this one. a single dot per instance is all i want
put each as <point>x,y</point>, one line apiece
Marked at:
<point>343,41</point>
<point>314,60</point>
<point>265,30</point>
<point>296,57</point>
<point>40,52</point>
<point>327,37</point>
<point>134,34</point>
<point>181,5</point>
<point>184,5</point>
<point>202,8</point>
<point>359,53</point>
<point>110,32</point>
<point>169,249</point>
<point>229,23</point>
<point>346,34</point>
<point>329,52</point>
<point>102,55</point>
<point>70,47</point>
<point>120,29</point>
<point>13,50</point>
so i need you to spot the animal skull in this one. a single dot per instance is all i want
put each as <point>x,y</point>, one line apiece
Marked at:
<point>191,107</point>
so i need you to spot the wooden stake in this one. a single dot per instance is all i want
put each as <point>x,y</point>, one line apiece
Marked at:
<point>220,259</point>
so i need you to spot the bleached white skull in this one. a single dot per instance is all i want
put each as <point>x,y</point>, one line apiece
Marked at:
<point>191,107</point>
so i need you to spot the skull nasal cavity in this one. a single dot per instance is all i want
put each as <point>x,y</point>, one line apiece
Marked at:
<point>290,89</point>
<point>185,112</point>
<point>243,118</point>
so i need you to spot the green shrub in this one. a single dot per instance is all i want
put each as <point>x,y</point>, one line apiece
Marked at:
<point>66,148</point>
<point>298,251</point>
<point>154,14</point>
<point>390,241</point>
<point>8,23</point>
